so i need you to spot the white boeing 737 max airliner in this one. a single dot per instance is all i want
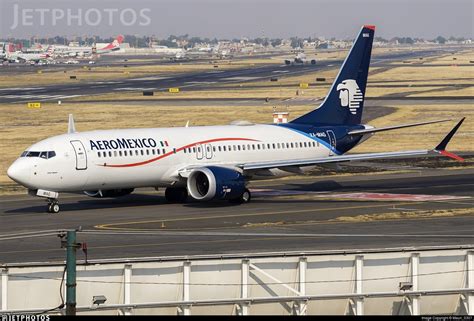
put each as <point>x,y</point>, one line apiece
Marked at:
<point>211,162</point>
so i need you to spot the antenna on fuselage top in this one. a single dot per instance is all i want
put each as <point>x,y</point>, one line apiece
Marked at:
<point>71,128</point>
<point>187,124</point>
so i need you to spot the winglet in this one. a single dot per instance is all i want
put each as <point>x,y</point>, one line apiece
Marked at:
<point>441,148</point>
<point>71,129</point>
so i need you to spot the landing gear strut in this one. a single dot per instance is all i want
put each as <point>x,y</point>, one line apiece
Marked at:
<point>176,194</point>
<point>53,206</point>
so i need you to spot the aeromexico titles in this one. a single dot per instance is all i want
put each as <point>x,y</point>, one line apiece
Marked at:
<point>211,162</point>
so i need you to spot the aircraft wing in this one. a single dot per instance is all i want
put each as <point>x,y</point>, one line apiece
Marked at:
<point>438,150</point>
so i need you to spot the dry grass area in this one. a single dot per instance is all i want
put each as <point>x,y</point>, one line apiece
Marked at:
<point>400,215</point>
<point>466,91</point>
<point>423,136</point>
<point>403,215</point>
<point>426,73</point>
<point>20,127</point>
<point>463,57</point>
<point>104,73</point>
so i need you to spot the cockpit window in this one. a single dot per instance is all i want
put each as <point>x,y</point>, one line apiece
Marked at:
<point>44,155</point>
<point>33,154</point>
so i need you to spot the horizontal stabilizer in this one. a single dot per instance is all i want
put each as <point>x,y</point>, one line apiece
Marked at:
<point>381,129</point>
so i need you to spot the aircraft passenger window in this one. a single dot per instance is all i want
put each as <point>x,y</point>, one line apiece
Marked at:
<point>248,147</point>
<point>314,144</point>
<point>318,144</point>
<point>120,153</point>
<point>235,148</point>
<point>147,152</point>
<point>258,146</point>
<point>115,153</point>
<point>124,153</point>
<point>253,146</point>
<point>278,145</point>
<point>304,144</point>
<point>110,154</point>
<point>98,154</point>
<point>194,149</point>
<point>243,147</point>
<point>153,152</point>
<point>141,152</point>
<point>219,148</point>
<point>238,147</point>
<point>301,144</point>
<point>291,145</point>
<point>184,150</point>
<point>164,151</point>
<point>263,146</point>
<point>158,152</point>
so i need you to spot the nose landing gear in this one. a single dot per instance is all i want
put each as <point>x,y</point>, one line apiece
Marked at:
<point>53,206</point>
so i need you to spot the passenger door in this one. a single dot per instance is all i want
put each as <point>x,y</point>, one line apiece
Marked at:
<point>81,156</point>
<point>332,141</point>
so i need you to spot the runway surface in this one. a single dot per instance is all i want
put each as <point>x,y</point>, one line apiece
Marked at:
<point>192,80</point>
<point>419,207</point>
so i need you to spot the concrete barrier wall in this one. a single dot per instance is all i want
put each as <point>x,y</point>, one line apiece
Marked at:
<point>437,280</point>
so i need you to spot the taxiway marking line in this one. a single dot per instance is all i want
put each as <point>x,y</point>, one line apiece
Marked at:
<point>111,226</point>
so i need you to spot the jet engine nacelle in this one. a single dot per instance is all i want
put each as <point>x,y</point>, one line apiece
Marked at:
<point>109,192</point>
<point>215,182</point>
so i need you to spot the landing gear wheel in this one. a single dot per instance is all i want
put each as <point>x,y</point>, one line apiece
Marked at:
<point>242,199</point>
<point>53,207</point>
<point>176,194</point>
<point>246,196</point>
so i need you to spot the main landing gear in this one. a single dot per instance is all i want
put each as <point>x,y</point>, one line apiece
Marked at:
<point>53,206</point>
<point>176,194</point>
<point>242,199</point>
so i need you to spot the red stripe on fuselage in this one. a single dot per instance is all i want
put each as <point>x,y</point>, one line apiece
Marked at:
<point>178,150</point>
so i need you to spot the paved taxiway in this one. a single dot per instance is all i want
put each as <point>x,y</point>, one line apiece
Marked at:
<point>190,80</point>
<point>308,213</point>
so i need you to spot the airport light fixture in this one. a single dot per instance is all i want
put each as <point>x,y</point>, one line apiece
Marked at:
<point>98,300</point>
<point>405,286</point>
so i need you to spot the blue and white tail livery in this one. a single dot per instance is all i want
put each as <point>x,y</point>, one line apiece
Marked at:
<point>211,162</point>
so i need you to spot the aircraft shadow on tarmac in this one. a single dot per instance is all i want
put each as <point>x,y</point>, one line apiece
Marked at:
<point>144,200</point>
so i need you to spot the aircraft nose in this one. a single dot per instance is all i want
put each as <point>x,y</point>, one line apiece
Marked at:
<point>19,172</point>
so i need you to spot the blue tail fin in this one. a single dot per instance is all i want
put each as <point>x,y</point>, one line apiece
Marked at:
<point>345,101</point>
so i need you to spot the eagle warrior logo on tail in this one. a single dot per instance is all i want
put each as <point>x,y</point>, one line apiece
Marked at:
<point>350,95</point>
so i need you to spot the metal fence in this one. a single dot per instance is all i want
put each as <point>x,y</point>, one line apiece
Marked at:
<point>425,280</point>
